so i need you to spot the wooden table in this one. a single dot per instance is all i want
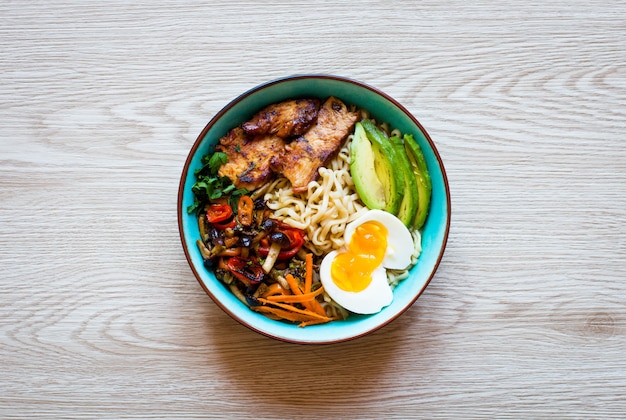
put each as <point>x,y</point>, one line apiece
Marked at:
<point>100,315</point>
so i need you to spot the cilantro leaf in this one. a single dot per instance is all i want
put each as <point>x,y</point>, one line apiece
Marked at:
<point>216,160</point>
<point>209,185</point>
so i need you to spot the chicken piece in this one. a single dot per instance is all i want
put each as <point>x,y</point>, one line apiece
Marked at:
<point>302,158</point>
<point>284,119</point>
<point>249,158</point>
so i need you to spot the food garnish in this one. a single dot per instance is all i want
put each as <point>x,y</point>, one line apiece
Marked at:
<point>210,185</point>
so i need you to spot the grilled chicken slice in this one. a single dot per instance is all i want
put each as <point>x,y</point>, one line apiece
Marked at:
<point>302,158</point>
<point>249,157</point>
<point>284,119</point>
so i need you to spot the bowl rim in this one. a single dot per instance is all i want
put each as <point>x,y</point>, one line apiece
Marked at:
<point>198,141</point>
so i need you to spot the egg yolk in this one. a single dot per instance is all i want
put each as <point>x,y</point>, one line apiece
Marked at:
<point>352,270</point>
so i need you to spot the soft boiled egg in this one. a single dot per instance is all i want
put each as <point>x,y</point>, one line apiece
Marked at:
<point>355,277</point>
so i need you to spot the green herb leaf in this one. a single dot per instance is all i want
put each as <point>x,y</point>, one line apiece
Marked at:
<point>209,185</point>
<point>216,160</point>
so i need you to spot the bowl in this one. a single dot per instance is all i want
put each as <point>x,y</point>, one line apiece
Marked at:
<point>383,108</point>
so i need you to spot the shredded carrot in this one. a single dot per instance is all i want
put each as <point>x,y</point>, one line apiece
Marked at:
<point>317,307</point>
<point>305,297</point>
<point>292,308</point>
<point>293,284</point>
<point>317,321</point>
<point>275,289</point>
<point>278,310</point>
<point>308,276</point>
<point>282,313</point>
<point>295,288</point>
<point>312,305</point>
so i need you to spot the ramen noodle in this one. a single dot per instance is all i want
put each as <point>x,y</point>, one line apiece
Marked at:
<point>330,203</point>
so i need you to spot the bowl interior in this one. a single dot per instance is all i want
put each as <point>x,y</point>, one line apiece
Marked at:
<point>381,107</point>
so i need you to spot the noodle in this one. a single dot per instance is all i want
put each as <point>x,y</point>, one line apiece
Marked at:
<point>330,203</point>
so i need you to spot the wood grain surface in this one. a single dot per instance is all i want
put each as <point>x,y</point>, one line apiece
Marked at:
<point>100,315</point>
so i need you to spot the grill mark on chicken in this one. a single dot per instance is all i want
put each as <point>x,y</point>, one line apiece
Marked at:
<point>249,157</point>
<point>301,159</point>
<point>284,119</point>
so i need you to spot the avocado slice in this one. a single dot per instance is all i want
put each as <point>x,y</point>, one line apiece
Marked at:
<point>420,171</point>
<point>409,204</point>
<point>387,166</point>
<point>363,172</point>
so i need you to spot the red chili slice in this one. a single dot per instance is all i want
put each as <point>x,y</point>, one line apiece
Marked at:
<point>218,213</point>
<point>245,270</point>
<point>245,209</point>
<point>227,224</point>
<point>296,240</point>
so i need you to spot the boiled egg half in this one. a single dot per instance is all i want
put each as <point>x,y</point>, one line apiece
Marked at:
<point>355,276</point>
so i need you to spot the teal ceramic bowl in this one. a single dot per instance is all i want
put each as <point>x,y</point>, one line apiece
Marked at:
<point>383,108</point>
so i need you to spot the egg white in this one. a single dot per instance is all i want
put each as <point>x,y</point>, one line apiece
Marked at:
<point>400,245</point>
<point>372,299</point>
